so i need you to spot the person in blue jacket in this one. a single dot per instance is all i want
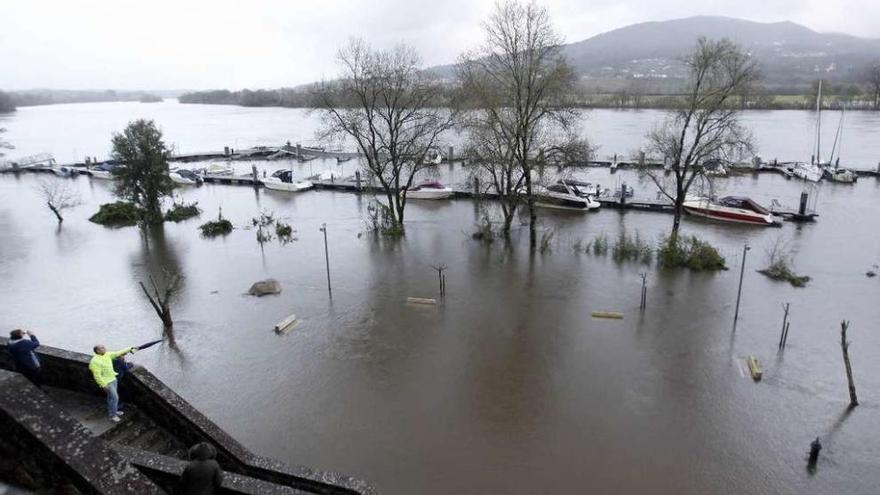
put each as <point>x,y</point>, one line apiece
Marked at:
<point>21,346</point>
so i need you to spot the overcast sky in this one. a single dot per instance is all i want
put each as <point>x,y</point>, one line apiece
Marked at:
<point>196,44</point>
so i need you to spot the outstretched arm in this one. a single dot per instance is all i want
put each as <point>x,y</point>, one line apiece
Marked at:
<point>122,352</point>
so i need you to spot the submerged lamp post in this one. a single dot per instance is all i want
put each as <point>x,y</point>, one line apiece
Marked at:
<point>742,271</point>
<point>326,257</point>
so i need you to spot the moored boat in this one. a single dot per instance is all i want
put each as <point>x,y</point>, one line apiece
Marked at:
<point>429,190</point>
<point>282,180</point>
<point>734,209</point>
<point>565,196</point>
<point>183,177</point>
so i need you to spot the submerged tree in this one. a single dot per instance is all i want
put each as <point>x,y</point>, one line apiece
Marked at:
<point>844,347</point>
<point>143,174</point>
<point>518,86</point>
<point>163,294</point>
<point>872,79</point>
<point>58,197</point>
<point>388,106</point>
<point>707,127</point>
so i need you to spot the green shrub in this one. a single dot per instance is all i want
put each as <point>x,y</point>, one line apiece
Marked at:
<point>182,211</point>
<point>780,270</point>
<point>689,252</point>
<point>628,248</point>
<point>599,244</point>
<point>118,214</point>
<point>284,232</point>
<point>216,227</point>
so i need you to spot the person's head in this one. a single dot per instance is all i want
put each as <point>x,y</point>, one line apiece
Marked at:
<point>202,452</point>
<point>16,334</point>
<point>99,349</point>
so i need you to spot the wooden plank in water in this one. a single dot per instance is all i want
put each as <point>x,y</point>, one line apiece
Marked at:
<point>612,315</point>
<point>285,325</point>
<point>421,301</point>
<point>754,368</point>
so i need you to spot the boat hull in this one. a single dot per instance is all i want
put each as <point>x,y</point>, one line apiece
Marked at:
<point>277,185</point>
<point>101,174</point>
<point>711,211</point>
<point>565,203</point>
<point>430,194</point>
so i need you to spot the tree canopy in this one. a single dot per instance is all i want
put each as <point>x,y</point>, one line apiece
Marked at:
<point>143,171</point>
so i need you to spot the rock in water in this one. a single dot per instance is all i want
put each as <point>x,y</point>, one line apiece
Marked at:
<point>265,287</point>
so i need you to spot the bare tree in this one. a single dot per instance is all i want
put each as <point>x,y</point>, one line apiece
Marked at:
<point>844,346</point>
<point>872,79</point>
<point>392,111</point>
<point>58,197</point>
<point>161,299</point>
<point>519,89</point>
<point>707,126</point>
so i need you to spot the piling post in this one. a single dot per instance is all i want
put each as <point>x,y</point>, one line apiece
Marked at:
<point>641,158</point>
<point>326,258</point>
<point>742,271</point>
<point>357,179</point>
<point>815,447</point>
<point>298,151</point>
<point>784,326</point>
<point>802,207</point>
<point>623,193</point>
<point>256,176</point>
<point>226,151</point>
<point>644,291</point>
<point>844,346</point>
<point>476,187</point>
<point>450,154</point>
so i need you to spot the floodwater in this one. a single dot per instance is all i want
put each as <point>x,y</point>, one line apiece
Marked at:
<point>508,385</point>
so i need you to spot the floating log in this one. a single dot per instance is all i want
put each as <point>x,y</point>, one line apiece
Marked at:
<point>420,300</point>
<point>613,315</point>
<point>754,368</point>
<point>285,325</point>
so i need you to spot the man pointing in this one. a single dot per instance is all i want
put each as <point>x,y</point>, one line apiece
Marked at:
<point>101,367</point>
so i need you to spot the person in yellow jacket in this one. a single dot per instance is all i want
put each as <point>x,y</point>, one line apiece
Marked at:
<point>101,367</point>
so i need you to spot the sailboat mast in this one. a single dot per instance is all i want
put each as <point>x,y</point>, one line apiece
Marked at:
<point>819,124</point>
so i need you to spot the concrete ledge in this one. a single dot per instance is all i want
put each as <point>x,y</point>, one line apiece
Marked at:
<point>32,420</point>
<point>67,369</point>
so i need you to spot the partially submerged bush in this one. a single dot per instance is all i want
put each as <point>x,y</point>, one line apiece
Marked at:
<point>628,248</point>
<point>216,227</point>
<point>780,259</point>
<point>379,220</point>
<point>284,232</point>
<point>182,211</point>
<point>689,252</point>
<point>599,244</point>
<point>485,231</point>
<point>118,214</point>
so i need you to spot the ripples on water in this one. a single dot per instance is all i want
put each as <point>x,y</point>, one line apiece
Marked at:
<point>508,385</point>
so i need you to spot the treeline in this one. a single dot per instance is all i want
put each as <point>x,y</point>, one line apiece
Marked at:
<point>6,103</point>
<point>285,97</point>
<point>9,101</point>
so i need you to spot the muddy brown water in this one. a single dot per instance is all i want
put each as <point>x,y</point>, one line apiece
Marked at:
<point>508,385</point>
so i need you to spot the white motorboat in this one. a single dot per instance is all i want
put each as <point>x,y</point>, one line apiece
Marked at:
<point>733,209</point>
<point>841,175</point>
<point>429,190</point>
<point>101,173</point>
<point>219,169</point>
<point>282,180</point>
<point>63,171</point>
<point>179,178</point>
<point>565,196</point>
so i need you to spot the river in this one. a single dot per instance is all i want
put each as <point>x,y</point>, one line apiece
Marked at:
<point>508,385</point>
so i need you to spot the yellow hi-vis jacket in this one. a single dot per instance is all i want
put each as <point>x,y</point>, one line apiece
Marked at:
<point>101,366</point>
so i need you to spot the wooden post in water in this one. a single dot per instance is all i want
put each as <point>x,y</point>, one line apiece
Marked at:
<point>476,187</point>
<point>782,333</point>
<point>623,193</point>
<point>844,346</point>
<point>255,175</point>
<point>450,154</point>
<point>742,271</point>
<point>644,291</point>
<point>357,178</point>
<point>802,207</point>
<point>326,258</point>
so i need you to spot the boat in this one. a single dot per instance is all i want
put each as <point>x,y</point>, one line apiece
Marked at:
<point>219,169</point>
<point>805,171</point>
<point>565,196</point>
<point>183,177</point>
<point>282,180</point>
<point>834,172</point>
<point>102,172</point>
<point>735,209</point>
<point>327,175</point>
<point>429,190</point>
<point>64,171</point>
<point>434,157</point>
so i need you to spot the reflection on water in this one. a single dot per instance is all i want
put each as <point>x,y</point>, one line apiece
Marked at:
<point>507,385</point>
